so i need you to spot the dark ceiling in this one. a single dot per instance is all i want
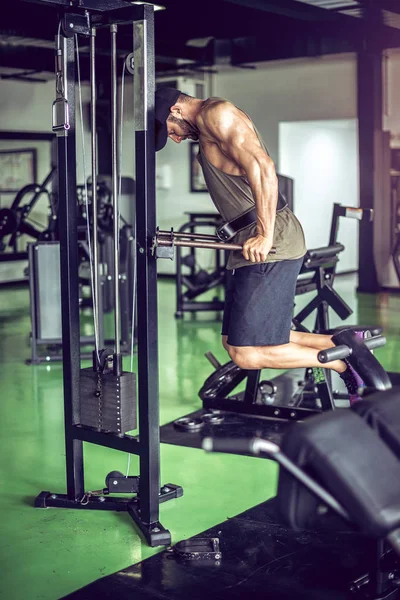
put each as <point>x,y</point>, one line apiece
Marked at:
<point>207,34</point>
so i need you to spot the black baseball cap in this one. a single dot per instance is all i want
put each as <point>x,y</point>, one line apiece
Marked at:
<point>165,98</point>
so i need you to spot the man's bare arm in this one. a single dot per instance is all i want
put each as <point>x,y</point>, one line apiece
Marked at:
<point>238,141</point>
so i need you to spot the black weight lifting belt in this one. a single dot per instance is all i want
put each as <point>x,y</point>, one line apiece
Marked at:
<point>229,229</point>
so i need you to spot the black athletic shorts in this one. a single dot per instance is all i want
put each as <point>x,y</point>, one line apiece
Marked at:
<point>259,303</point>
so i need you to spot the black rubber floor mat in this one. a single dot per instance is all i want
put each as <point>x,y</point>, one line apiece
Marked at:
<point>233,425</point>
<point>261,558</point>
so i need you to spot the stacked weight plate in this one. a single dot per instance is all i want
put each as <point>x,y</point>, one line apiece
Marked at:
<point>108,401</point>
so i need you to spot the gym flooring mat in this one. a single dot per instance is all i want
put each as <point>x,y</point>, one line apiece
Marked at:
<point>260,557</point>
<point>232,425</point>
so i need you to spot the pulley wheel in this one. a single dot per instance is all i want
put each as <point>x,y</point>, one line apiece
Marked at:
<point>130,63</point>
<point>112,475</point>
<point>189,424</point>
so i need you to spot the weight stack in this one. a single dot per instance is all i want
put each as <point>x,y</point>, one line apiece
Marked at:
<point>113,410</point>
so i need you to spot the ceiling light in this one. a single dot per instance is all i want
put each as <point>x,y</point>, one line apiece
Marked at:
<point>156,6</point>
<point>199,42</point>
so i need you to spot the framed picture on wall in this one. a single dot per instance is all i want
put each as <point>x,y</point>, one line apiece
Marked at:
<point>197,183</point>
<point>17,169</point>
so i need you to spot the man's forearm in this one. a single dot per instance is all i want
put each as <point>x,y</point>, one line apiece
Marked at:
<point>264,186</point>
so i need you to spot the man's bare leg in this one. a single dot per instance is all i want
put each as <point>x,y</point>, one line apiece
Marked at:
<point>312,340</point>
<point>286,356</point>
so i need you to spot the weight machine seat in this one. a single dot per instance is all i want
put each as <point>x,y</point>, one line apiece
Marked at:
<point>340,451</point>
<point>381,411</point>
<point>325,256</point>
<point>324,252</point>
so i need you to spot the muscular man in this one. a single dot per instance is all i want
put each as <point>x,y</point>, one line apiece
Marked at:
<point>240,174</point>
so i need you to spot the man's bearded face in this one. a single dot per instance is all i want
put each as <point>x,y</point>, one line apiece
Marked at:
<point>179,130</point>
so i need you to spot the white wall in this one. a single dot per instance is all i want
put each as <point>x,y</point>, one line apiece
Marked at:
<point>25,107</point>
<point>392,93</point>
<point>28,107</point>
<point>322,158</point>
<point>293,90</point>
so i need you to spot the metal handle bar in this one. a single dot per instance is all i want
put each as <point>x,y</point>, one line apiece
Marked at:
<point>199,244</point>
<point>203,244</point>
<point>188,240</point>
<point>361,214</point>
<point>343,351</point>
<point>189,236</point>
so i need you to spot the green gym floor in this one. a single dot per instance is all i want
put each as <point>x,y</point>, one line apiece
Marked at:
<point>47,553</point>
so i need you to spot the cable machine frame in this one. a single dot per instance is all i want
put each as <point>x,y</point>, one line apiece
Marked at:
<point>144,508</point>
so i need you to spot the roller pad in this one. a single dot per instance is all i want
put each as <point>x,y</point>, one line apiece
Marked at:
<point>363,361</point>
<point>350,461</point>
<point>382,412</point>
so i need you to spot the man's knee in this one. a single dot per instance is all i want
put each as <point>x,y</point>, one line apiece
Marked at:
<point>255,357</point>
<point>243,357</point>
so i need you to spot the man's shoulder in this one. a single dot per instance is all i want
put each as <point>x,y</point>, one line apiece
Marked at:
<point>217,112</point>
<point>217,105</point>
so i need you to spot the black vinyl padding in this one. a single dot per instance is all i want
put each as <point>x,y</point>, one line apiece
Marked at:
<point>382,412</point>
<point>351,462</point>
<point>374,329</point>
<point>363,361</point>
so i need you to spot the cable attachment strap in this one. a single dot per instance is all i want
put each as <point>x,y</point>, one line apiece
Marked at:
<point>88,495</point>
<point>60,112</point>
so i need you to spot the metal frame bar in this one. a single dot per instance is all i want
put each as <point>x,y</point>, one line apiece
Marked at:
<point>69,279</point>
<point>261,410</point>
<point>115,197</point>
<point>144,90</point>
<point>33,301</point>
<point>144,509</point>
<point>95,242</point>
<point>370,144</point>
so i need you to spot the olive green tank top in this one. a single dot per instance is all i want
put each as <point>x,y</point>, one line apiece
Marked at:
<point>232,196</point>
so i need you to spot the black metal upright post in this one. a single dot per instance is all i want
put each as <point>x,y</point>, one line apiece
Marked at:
<point>81,384</point>
<point>144,88</point>
<point>370,136</point>
<point>69,277</point>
